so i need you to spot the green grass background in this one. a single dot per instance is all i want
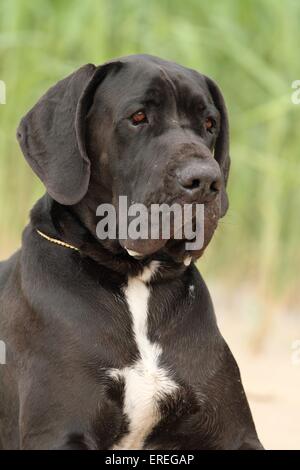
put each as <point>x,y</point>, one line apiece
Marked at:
<point>250,47</point>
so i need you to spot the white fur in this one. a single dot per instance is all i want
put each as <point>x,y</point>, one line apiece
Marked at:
<point>145,381</point>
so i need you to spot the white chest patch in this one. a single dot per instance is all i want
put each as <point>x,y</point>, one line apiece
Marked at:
<point>145,382</point>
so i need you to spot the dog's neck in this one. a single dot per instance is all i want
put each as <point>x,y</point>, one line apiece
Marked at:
<point>66,224</point>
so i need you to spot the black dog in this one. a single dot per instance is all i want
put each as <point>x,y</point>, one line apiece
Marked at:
<point>114,344</point>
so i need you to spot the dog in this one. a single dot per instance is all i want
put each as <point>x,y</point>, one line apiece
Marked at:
<point>114,344</point>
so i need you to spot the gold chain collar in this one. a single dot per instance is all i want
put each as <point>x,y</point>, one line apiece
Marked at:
<point>186,261</point>
<point>57,242</point>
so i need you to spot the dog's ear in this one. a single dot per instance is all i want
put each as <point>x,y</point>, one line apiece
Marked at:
<point>222,144</point>
<point>52,134</point>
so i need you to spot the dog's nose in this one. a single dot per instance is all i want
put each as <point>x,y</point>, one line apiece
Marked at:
<point>200,182</point>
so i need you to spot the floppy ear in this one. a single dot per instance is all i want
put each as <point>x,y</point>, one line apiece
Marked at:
<point>222,144</point>
<point>52,134</point>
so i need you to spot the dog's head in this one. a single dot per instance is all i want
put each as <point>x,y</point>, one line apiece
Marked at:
<point>140,127</point>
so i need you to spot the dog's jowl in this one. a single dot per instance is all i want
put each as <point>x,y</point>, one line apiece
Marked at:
<point>113,343</point>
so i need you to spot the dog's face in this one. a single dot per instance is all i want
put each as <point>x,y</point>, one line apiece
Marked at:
<point>139,127</point>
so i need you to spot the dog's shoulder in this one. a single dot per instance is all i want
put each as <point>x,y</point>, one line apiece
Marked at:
<point>7,268</point>
<point>10,292</point>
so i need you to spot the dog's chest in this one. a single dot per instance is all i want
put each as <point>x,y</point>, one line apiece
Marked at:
<point>146,383</point>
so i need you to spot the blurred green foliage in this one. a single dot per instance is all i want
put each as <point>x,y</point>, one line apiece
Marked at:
<point>250,47</point>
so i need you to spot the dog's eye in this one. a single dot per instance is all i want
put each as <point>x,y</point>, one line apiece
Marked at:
<point>139,118</point>
<point>209,124</point>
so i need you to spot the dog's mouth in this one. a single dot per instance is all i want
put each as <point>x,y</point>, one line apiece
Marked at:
<point>177,245</point>
<point>171,249</point>
<point>142,248</point>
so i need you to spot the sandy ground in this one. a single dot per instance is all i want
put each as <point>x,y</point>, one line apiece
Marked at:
<point>271,377</point>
